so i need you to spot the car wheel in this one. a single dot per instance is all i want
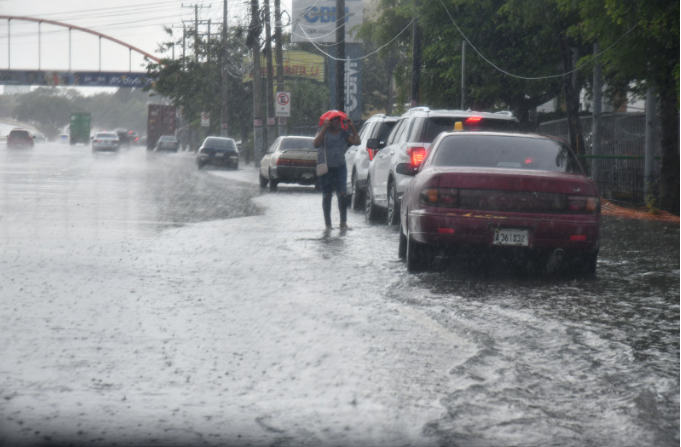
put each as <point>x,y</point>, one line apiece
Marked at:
<point>402,247</point>
<point>418,255</point>
<point>273,183</point>
<point>263,181</point>
<point>200,165</point>
<point>357,194</point>
<point>393,205</point>
<point>371,211</point>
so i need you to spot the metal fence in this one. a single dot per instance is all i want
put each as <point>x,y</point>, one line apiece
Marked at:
<point>620,168</point>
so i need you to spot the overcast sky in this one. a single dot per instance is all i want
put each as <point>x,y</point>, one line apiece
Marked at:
<point>137,22</point>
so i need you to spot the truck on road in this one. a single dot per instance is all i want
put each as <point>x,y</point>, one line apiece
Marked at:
<point>161,120</point>
<point>79,130</point>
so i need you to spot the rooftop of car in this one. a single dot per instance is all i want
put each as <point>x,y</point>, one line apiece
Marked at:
<point>425,111</point>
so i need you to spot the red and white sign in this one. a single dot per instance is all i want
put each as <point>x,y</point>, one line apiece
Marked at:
<point>283,105</point>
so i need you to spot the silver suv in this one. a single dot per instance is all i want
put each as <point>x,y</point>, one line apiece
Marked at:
<point>408,143</point>
<point>357,158</point>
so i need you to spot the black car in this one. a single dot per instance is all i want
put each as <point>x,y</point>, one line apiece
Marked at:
<point>218,151</point>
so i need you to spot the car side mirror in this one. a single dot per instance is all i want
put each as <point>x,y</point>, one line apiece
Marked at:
<point>374,143</point>
<point>406,169</point>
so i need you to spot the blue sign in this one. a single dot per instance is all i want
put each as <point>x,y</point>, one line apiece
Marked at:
<point>74,79</point>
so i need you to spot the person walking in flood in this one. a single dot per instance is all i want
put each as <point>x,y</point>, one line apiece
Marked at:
<point>337,132</point>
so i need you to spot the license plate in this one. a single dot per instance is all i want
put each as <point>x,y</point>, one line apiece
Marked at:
<point>505,236</point>
<point>219,154</point>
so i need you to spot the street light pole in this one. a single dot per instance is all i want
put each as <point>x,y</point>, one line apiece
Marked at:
<point>340,55</point>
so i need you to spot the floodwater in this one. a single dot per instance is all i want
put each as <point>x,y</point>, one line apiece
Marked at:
<point>148,303</point>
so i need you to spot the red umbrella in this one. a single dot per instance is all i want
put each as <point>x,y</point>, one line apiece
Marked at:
<point>331,114</point>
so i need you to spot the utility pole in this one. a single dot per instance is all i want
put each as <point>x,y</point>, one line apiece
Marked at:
<point>269,95</point>
<point>224,106</point>
<point>463,74</point>
<point>196,28</point>
<point>340,55</point>
<point>416,57</point>
<point>254,40</point>
<point>279,57</point>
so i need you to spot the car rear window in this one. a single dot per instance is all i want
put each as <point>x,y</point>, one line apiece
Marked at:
<point>435,125</point>
<point>220,143</point>
<point>106,135</point>
<point>298,143</point>
<point>385,129</point>
<point>20,134</point>
<point>505,152</point>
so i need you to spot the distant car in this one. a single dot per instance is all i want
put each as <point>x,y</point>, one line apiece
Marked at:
<point>38,137</point>
<point>409,142</point>
<point>515,195</point>
<point>19,138</point>
<point>289,159</point>
<point>123,136</point>
<point>357,158</point>
<point>218,151</point>
<point>167,143</point>
<point>105,141</point>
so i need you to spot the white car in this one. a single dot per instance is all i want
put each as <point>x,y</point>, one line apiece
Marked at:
<point>408,143</point>
<point>290,159</point>
<point>106,141</point>
<point>357,158</point>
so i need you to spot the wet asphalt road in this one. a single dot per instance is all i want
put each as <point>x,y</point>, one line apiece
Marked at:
<point>336,343</point>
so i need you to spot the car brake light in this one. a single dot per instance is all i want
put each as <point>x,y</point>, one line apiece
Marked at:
<point>583,204</point>
<point>474,119</point>
<point>578,237</point>
<point>448,197</point>
<point>416,155</point>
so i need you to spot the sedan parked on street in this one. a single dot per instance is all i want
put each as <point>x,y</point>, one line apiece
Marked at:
<point>519,197</point>
<point>167,143</point>
<point>289,159</point>
<point>218,151</point>
<point>105,141</point>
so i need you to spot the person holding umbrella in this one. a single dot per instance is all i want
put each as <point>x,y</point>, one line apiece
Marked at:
<point>336,134</point>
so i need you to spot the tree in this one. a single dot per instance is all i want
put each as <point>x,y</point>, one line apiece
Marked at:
<point>48,108</point>
<point>641,38</point>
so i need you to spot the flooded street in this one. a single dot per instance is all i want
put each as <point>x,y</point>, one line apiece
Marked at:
<point>145,302</point>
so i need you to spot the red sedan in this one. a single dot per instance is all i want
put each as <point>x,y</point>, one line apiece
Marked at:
<point>516,196</point>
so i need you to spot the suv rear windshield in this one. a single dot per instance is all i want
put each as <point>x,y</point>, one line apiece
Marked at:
<point>435,125</point>
<point>491,151</point>
<point>20,134</point>
<point>385,129</point>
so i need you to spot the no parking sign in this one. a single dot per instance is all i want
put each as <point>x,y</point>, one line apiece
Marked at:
<point>283,106</point>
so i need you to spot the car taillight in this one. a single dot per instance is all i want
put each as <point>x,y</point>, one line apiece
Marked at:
<point>372,153</point>
<point>416,155</point>
<point>583,204</point>
<point>473,120</point>
<point>448,197</point>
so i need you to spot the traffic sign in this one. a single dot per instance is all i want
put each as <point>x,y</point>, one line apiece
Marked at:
<point>283,105</point>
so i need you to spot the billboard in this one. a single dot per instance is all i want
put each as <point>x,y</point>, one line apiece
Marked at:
<point>298,64</point>
<point>315,20</point>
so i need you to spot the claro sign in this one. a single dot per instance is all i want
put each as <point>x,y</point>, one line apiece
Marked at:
<point>316,20</point>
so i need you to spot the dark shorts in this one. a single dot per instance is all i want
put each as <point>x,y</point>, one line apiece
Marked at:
<point>335,180</point>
